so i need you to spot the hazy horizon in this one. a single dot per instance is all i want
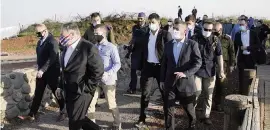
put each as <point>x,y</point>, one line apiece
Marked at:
<point>27,12</point>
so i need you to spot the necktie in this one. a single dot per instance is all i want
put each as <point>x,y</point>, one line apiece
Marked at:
<point>189,34</point>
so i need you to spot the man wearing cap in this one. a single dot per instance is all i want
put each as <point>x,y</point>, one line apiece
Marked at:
<point>135,49</point>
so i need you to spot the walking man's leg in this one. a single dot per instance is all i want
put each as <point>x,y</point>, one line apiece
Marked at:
<point>169,109</point>
<point>92,107</point>
<point>133,82</point>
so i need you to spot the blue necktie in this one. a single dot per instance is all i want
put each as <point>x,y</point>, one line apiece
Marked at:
<point>189,34</point>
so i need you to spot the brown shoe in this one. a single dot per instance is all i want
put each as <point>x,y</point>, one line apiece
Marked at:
<point>30,118</point>
<point>61,117</point>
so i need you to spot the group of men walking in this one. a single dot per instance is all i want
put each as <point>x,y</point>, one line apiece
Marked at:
<point>185,59</point>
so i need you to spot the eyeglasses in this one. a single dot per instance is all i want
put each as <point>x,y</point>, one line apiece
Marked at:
<point>207,30</point>
<point>40,32</point>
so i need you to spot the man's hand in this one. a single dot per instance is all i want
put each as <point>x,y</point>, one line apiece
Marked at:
<point>243,47</point>
<point>105,77</point>
<point>232,69</point>
<point>39,74</point>
<point>162,87</point>
<point>58,93</point>
<point>180,75</point>
<point>222,75</point>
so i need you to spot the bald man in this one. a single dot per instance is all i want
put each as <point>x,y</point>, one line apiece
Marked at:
<point>48,70</point>
<point>229,63</point>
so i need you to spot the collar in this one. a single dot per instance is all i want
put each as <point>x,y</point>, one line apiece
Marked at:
<point>104,42</point>
<point>155,33</point>
<point>74,45</point>
<point>246,32</point>
<point>182,41</point>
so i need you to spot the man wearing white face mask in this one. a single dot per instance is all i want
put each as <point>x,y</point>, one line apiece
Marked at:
<point>89,33</point>
<point>153,47</point>
<point>192,28</point>
<point>169,26</point>
<point>211,51</point>
<point>246,44</point>
<point>177,75</point>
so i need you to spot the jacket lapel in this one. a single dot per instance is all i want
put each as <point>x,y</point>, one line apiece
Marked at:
<point>184,46</point>
<point>74,53</point>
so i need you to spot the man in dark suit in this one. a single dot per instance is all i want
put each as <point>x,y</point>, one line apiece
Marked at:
<point>153,47</point>
<point>181,60</point>
<point>48,70</point>
<point>82,71</point>
<point>135,48</point>
<point>246,44</point>
<point>192,28</point>
<point>180,12</point>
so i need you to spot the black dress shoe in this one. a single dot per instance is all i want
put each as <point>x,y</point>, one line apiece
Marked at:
<point>61,117</point>
<point>131,91</point>
<point>207,121</point>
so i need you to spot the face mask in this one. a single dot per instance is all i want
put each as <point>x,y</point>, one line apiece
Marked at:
<point>153,27</point>
<point>242,28</point>
<point>176,34</point>
<point>64,40</point>
<point>206,34</point>
<point>99,38</point>
<point>216,33</point>
<point>190,27</point>
<point>169,23</point>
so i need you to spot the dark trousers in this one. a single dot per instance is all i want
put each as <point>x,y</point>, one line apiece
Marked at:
<point>149,72</point>
<point>77,110</point>
<point>220,86</point>
<point>188,103</point>
<point>41,84</point>
<point>133,81</point>
<point>246,62</point>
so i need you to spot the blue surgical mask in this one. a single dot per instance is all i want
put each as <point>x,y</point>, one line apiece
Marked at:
<point>242,28</point>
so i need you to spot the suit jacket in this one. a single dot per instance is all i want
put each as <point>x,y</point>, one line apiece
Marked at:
<point>83,71</point>
<point>162,37</point>
<point>189,63</point>
<point>254,45</point>
<point>48,57</point>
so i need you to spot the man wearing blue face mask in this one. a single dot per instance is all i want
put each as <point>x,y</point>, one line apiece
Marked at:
<point>246,44</point>
<point>152,53</point>
<point>205,78</point>
<point>181,60</point>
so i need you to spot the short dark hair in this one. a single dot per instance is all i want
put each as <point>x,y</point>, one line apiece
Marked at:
<point>243,17</point>
<point>95,14</point>
<point>178,21</point>
<point>154,16</point>
<point>205,15</point>
<point>208,21</point>
<point>260,21</point>
<point>102,26</point>
<point>190,18</point>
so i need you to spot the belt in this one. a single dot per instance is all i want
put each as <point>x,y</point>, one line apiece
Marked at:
<point>154,64</point>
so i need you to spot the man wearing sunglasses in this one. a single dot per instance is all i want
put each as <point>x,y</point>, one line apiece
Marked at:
<point>229,63</point>
<point>246,44</point>
<point>135,49</point>
<point>48,70</point>
<point>181,60</point>
<point>211,51</point>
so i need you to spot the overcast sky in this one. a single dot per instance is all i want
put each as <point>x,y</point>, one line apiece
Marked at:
<point>26,12</point>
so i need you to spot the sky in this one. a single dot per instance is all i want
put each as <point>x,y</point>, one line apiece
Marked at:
<point>25,12</point>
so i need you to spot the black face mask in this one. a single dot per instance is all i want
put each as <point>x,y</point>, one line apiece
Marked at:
<point>99,38</point>
<point>39,35</point>
<point>216,33</point>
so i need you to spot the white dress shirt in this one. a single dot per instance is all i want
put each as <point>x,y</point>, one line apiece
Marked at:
<point>43,39</point>
<point>192,32</point>
<point>245,40</point>
<point>152,58</point>
<point>69,51</point>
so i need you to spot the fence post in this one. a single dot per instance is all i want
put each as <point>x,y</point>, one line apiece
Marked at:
<point>235,107</point>
<point>248,76</point>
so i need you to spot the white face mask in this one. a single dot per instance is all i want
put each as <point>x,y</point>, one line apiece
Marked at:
<point>153,27</point>
<point>176,34</point>
<point>190,27</point>
<point>169,23</point>
<point>206,34</point>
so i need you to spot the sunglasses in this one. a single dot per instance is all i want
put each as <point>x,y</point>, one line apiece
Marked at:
<point>40,32</point>
<point>207,30</point>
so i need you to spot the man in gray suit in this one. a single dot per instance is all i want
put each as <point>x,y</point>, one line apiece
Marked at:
<point>181,60</point>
